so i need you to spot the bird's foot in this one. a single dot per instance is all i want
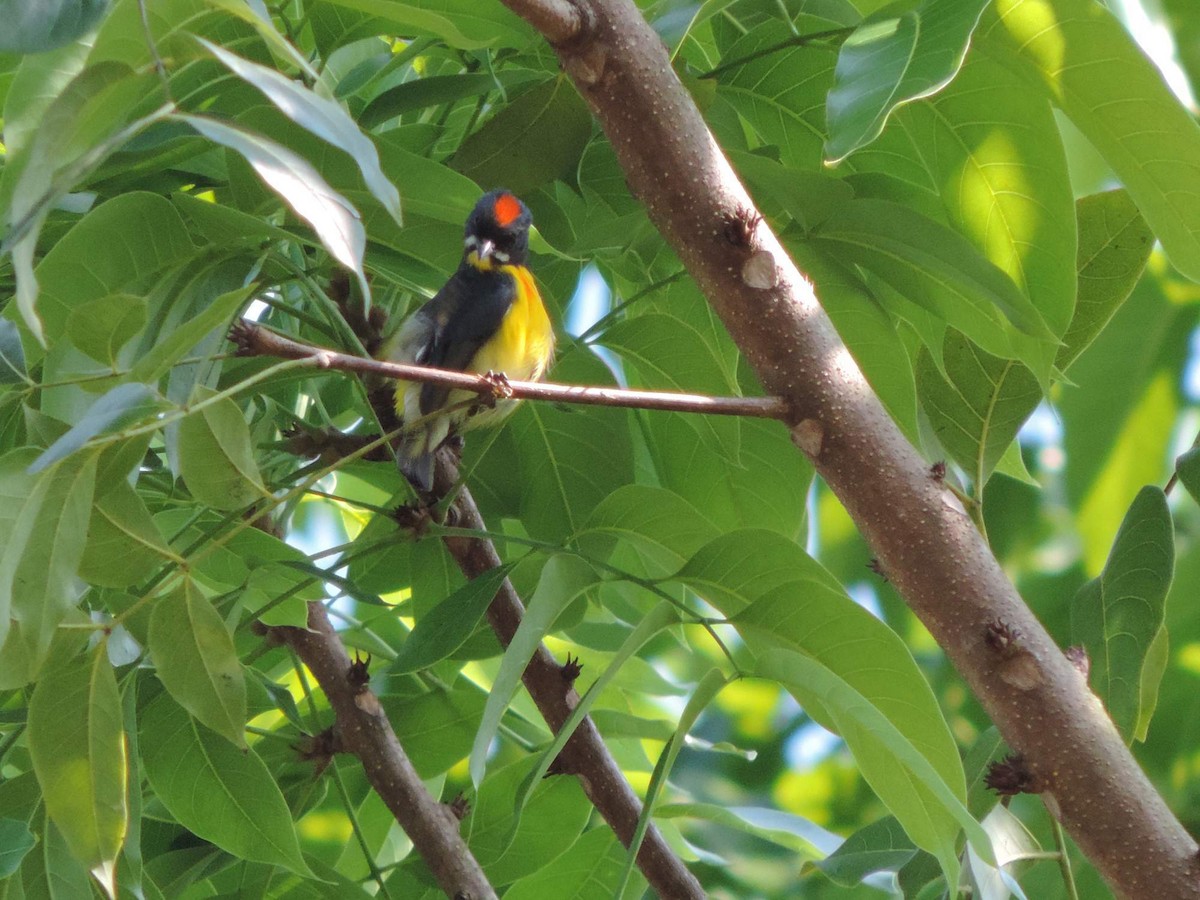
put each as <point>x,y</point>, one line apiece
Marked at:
<point>500,388</point>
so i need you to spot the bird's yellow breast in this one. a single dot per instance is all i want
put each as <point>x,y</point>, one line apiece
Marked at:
<point>523,346</point>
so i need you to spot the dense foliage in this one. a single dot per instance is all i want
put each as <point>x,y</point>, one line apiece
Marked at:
<point>1003,170</point>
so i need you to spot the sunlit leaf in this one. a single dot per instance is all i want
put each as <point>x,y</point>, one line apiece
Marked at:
<point>891,59</point>
<point>1096,74</point>
<point>78,750</point>
<point>320,115</point>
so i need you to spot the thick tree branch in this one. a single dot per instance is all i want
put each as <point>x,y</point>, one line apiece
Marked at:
<point>585,754</point>
<point>363,729</point>
<point>254,340</point>
<point>925,542</point>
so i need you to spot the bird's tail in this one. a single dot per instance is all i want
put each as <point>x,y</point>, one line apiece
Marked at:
<point>417,468</point>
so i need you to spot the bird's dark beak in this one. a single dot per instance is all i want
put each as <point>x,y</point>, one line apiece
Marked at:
<point>486,249</point>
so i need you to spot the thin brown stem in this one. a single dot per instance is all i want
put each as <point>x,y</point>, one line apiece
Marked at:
<point>255,340</point>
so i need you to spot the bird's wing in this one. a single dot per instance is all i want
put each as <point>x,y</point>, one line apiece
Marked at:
<point>463,316</point>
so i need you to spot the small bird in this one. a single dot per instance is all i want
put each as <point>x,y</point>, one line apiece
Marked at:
<point>488,317</point>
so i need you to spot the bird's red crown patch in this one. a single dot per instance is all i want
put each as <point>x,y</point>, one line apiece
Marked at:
<point>507,209</point>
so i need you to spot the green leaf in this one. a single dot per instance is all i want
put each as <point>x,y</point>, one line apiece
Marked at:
<point>787,830</point>
<point>124,544</point>
<point>706,691</point>
<point>532,140</point>
<point>122,406</point>
<point>175,345</point>
<point>781,95</point>
<point>465,24</point>
<point>1118,615</point>
<point>436,728</point>
<point>421,93</point>
<point>447,626</point>
<point>778,596</point>
<point>1114,244</point>
<point>320,115</point>
<point>891,59</point>
<point>563,579</point>
<point>590,870</point>
<point>557,813</point>
<point>336,222</point>
<point>1153,669</point>
<point>881,846</point>
<point>1010,197</point>
<point>937,269</point>
<point>978,406</point>
<point>933,825</point>
<point>15,841</point>
<point>1093,70</point>
<point>663,615</point>
<point>662,528</point>
<point>568,460</point>
<point>118,243</point>
<point>221,794</point>
<point>78,750</point>
<point>195,659</point>
<point>101,327</point>
<point>45,527</point>
<point>216,458</point>
<point>35,26</point>
<point>12,354</point>
<point>668,353</point>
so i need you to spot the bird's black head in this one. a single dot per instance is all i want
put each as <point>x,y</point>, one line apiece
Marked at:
<point>498,231</point>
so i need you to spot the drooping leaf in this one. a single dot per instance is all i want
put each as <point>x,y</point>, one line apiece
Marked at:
<point>123,544</point>
<point>320,115</point>
<point>35,26</point>
<point>1092,69</point>
<point>78,749</point>
<point>1117,616</point>
<point>706,691</point>
<point>45,528</point>
<point>122,406</point>
<point>893,58</point>
<point>221,794</point>
<point>1114,244</point>
<point>933,824</point>
<point>590,870</point>
<point>568,461</point>
<point>195,659</point>
<point>563,579</point>
<point>976,412</point>
<point>447,626</point>
<point>336,222</point>
<point>662,528</point>
<point>939,270</point>
<point>216,458</point>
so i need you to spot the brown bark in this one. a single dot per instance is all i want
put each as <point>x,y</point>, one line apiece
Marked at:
<point>585,754</point>
<point>362,728</point>
<point>923,539</point>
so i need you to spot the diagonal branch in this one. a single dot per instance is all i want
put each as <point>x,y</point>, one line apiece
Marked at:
<point>585,754</point>
<point>362,729</point>
<point>926,543</point>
